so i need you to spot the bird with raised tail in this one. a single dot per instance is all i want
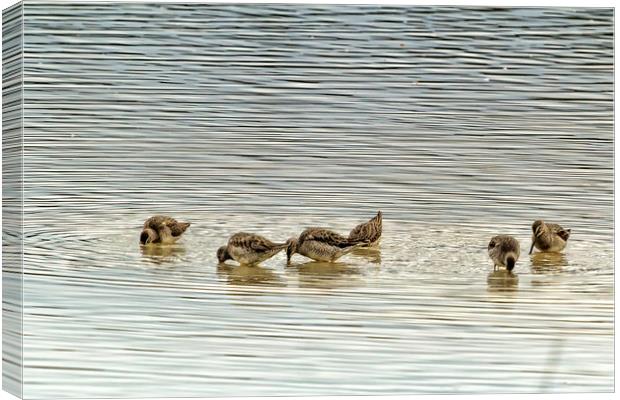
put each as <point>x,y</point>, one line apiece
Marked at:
<point>548,237</point>
<point>249,249</point>
<point>368,232</point>
<point>161,229</point>
<point>504,251</point>
<point>320,244</point>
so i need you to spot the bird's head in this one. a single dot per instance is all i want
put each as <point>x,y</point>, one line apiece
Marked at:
<point>223,255</point>
<point>148,235</point>
<point>291,248</point>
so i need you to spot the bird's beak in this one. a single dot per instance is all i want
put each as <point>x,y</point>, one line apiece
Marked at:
<point>289,254</point>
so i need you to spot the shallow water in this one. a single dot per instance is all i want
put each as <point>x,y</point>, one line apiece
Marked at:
<point>458,123</point>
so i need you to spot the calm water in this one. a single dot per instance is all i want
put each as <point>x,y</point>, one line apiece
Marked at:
<point>458,123</point>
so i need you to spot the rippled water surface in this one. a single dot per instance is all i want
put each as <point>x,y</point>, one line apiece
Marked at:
<point>458,124</point>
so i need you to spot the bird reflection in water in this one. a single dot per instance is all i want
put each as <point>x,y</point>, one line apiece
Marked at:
<point>161,254</point>
<point>502,281</point>
<point>372,254</point>
<point>249,275</point>
<point>544,263</point>
<point>547,267</point>
<point>326,275</point>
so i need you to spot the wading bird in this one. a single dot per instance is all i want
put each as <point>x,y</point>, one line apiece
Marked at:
<point>321,245</point>
<point>248,249</point>
<point>162,229</point>
<point>548,237</point>
<point>504,251</point>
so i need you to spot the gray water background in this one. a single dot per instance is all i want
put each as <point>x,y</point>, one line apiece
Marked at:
<point>457,123</point>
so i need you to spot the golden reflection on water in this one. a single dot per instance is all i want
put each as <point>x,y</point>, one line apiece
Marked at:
<point>249,275</point>
<point>549,264</point>
<point>373,254</point>
<point>543,263</point>
<point>502,281</point>
<point>160,254</point>
<point>326,275</point>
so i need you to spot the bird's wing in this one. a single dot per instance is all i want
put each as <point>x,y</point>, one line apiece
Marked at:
<point>155,221</point>
<point>328,237</point>
<point>558,230</point>
<point>359,232</point>
<point>176,228</point>
<point>368,231</point>
<point>251,241</point>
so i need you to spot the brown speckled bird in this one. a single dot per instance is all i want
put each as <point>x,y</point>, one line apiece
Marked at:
<point>548,237</point>
<point>368,232</point>
<point>162,230</point>
<point>248,249</point>
<point>321,245</point>
<point>504,251</point>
